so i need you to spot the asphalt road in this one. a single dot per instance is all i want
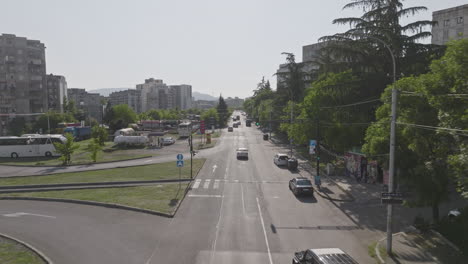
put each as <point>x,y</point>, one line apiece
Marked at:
<point>237,211</point>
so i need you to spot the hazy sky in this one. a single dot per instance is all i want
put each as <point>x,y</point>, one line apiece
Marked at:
<point>217,46</point>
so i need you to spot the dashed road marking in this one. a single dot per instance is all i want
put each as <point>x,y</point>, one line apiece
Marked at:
<point>207,184</point>
<point>196,184</point>
<point>216,184</point>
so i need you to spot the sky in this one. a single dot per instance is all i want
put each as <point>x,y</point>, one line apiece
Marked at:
<point>217,46</point>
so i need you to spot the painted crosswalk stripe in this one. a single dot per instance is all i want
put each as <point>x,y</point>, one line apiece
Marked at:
<point>216,184</point>
<point>207,184</point>
<point>196,184</point>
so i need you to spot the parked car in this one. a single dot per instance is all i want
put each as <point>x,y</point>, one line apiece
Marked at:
<point>235,125</point>
<point>168,141</point>
<point>322,256</point>
<point>281,159</point>
<point>230,129</point>
<point>301,185</point>
<point>242,153</point>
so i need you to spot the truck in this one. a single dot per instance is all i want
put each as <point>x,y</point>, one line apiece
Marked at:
<point>79,133</point>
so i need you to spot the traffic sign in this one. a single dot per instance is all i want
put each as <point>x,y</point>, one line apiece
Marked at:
<point>391,195</point>
<point>180,157</point>
<point>312,145</point>
<point>390,200</point>
<point>180,163</point>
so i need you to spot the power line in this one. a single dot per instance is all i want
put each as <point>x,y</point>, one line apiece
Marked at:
<point>435,128</point>
<point>353,104</point>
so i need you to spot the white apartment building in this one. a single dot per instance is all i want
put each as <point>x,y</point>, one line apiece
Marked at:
<point>182,96</point>
<point>154,94</point>
<point>452,24</point>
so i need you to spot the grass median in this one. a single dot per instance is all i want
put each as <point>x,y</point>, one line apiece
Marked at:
<point>159,171</point>
<point>161,197</point>
<point>13,253</point>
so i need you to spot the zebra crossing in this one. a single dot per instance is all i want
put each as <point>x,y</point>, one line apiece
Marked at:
<point>215,183</point>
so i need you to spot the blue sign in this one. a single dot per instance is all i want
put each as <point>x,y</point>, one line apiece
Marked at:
<point>180,157</point>
<point>312,145</point>
<point>180,163</point>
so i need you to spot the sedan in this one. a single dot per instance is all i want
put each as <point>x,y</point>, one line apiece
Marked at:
<point>230,129</point>
<point>301,185</point>
<point>280,159</point>
<point>323,256</point>
<point>242,153</point>
<point>168,141</point>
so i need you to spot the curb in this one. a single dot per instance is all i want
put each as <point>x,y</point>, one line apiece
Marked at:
<point>108,205</point>
<point>111,184</point>
<point>326,196</point>
<point>30,247</point>
<point>446,240</point>
<point>80,164</point>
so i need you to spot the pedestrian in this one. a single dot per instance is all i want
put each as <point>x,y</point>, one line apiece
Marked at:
<point>364,168</point>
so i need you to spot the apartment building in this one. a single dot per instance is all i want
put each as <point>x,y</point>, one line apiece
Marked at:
<point>181,96</point>
<point>131,97</point>
<point>154,94</point>
<point>22,78</point>
<point>452,24</point>
<point>89,103</point>
<point>56,91</point>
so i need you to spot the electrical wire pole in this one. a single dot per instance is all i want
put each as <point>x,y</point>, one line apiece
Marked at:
<point>291,139</point>
<point>317,149</point>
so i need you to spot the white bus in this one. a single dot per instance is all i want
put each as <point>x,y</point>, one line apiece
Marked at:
<point>30,146</point>
<point>185,129</point>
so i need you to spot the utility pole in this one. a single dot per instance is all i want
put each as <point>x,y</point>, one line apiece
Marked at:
<point>291,139</point>
<point>270,126</point>
<point>317,149</point>
<point>191,155</point>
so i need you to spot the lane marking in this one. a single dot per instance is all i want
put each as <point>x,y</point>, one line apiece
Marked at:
<point>243,202</point>
<point>207,184</point>
<point>214,168</point>
<point>196,184</point>
<point>216,184</point>
<point>147,161</point>
<point>19,214</point>
<point>264,232</point>
<point>205,195</point>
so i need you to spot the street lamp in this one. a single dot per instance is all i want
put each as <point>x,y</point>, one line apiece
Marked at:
<point>391,171</point>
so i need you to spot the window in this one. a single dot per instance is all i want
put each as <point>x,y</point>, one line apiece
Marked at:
<point>446,22</point>
<point>459,20</point>
<point>445,37</point>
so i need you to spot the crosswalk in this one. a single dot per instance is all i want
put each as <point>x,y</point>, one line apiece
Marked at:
<point>215,183</point>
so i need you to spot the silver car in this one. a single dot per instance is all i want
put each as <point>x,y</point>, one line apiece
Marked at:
<point>281,159</point>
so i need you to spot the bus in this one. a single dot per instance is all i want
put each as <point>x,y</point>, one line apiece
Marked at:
<point>30,146</point>
<point>185,129</point>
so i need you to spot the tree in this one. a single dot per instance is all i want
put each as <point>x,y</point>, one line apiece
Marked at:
<point>94,147</point>
<point>122,116</point>
<point>208,114</point>
<point>223,113</point>
<point>17,126</point>
<point>51,118</point>
<point>108,113</point>
<point>66,149</point>
<point>100,134</point>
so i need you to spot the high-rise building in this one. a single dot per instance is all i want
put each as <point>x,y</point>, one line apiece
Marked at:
<point>154,94</point>
<point>89,103</point>
<point>452,24</point>
<point>130,97</point>
<point>181,96</point>
<point>22,77</point>
<point>56,91</point>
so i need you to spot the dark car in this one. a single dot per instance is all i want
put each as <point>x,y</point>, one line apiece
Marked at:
<point>301,185</point>
<point>230,129</point>
<point>322,256</point>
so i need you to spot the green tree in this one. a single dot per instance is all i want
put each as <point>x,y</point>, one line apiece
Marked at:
<point>122,116</point>
<point>66,149</point>
<point>108,113</point>
<point>208,114</point>
<point>223,112</point>
<point>100,134</point>
<point>17,126</point>
<point>94,147</point>
<point>51,118</point>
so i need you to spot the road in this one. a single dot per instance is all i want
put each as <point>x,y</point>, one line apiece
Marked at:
<point>238,211</point>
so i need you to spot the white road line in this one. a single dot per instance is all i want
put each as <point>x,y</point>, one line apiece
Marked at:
<point>243,202</point>
<point>216,184</point>
<point>207,184</point>
<point>147,161</point>
<point>264,231</point>
<point>205,195</point>
<point>22,214</point>
<point>196,184</point>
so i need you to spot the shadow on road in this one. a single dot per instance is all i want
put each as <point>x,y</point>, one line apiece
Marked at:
<point>306,199</point>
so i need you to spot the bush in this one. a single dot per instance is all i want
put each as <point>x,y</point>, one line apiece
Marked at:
<point>100,134</point>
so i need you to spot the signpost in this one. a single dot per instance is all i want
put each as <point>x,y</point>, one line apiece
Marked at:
<point>180,164</point>
<point>312,144</point>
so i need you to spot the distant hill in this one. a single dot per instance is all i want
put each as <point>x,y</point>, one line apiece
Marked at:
<point>202,96</point>
<point>107,91</point>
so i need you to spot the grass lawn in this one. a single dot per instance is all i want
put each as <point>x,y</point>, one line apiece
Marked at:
<point>162,198</point>
<point>14,253</point>
<point>158,171</point>
<point>81,156</point>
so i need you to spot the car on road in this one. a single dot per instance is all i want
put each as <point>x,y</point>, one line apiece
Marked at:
<point>230,129</point>
<point>281,159</point>
<point>242,153</point>
<point>323,256</point>
<point>168,141</point>
<point>235,125</point>
<point>301,185</point>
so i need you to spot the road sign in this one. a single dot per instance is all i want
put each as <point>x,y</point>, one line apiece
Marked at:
<point>391,195</point>
<point>180,163</point>
<point>390,200</point>
<point>180,157</point>
<point>312,145</point>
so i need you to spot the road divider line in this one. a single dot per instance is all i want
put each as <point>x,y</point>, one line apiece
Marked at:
<point>264,232</point>
<point>207,184</point>
<point>216,184</point>
<point>205,195</point>
<point>243,202</point>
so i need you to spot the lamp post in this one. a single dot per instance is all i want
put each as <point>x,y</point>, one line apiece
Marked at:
<point>391,170</point>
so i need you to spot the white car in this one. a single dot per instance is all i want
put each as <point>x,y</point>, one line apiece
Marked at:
<point>242,153</point>
<point>168,141</point>
<point>281,159</point>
